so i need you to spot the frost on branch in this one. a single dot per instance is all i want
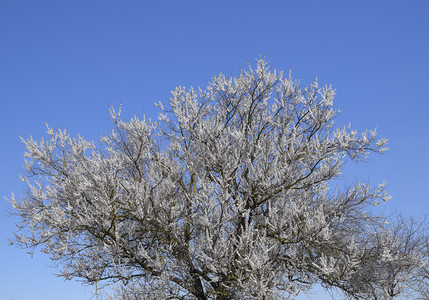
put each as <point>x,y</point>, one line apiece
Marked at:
<point>225,196</point>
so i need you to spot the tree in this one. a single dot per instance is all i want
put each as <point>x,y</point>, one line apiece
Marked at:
<point>395,262</point>
<point>228,195</point>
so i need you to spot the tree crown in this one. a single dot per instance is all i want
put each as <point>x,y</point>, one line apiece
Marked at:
<point>225,196</point>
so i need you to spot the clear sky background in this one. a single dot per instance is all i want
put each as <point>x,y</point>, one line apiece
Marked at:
<point>64,62</point>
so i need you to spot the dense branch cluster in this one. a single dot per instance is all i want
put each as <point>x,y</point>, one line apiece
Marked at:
<point>228,195</point>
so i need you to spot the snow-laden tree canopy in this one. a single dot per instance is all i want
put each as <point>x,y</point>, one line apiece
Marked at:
<point>228,195</point>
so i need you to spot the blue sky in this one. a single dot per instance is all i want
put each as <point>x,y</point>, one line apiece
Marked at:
<point>64,62</point>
